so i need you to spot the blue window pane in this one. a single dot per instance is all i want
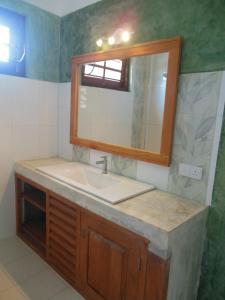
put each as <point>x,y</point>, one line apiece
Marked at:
<point>4,53</point>
<point>4,34</point>
<point>12,43</point>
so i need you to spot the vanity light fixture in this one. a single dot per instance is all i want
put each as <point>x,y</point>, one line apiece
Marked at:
<point>118,37</point>
<point>99,43</point>
<point>125,36</point>
<point>111,40</point>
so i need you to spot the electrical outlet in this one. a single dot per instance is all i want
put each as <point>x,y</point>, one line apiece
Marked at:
<point>190,171</point>
<point>195,172</point>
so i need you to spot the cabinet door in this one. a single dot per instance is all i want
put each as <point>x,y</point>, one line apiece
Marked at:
<point>112,261</point>
<point>63,219</point>
<point>157,276</point>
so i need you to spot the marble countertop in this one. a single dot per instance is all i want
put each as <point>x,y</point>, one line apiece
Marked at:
<point>154,214</point>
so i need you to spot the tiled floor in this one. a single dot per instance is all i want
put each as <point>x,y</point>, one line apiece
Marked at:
<point>25,276</point>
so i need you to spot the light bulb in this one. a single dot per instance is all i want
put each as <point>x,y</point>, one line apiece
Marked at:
<point>125,36</point>
<point>111,40</point>
<point>99,43</point>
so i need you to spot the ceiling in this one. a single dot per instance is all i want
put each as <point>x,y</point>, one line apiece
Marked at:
<point>61,7</point>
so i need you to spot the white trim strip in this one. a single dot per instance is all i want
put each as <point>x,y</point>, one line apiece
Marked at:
<point>216,142</point>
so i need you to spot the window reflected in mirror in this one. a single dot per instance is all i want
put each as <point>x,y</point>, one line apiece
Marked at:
<point>109,74</point>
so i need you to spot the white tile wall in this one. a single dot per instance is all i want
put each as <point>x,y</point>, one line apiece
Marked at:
<point>65,150</point>
<point>153,174</point>
<point>28,129</point>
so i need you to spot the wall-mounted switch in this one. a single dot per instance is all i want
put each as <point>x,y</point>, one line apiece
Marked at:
<point>184,170</point>
<point>190,171</point>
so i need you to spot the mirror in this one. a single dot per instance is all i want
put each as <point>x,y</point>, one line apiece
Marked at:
<point>132,117</point>
<point>123,100</point>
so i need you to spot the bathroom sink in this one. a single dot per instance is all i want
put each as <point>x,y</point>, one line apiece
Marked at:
<point>109,187</point>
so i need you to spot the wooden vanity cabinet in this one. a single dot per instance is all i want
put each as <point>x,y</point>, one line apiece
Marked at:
<point>112,260</point>
<point>99,258</point>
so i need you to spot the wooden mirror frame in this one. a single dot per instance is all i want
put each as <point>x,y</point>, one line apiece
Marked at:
<point>173,47</point>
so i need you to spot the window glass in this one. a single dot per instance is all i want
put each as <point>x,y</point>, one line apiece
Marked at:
<point>12,43</point>
<point>114,64</point>
<point>4,43</point>
<point>113,75</point>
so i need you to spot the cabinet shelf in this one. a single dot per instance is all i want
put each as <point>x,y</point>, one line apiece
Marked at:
<point>36,229</point>
<point>31,214</point>
<point>35,198</point>
<point>33,232</point>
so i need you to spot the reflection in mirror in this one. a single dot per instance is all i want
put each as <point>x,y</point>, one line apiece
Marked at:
<point>121,102</point>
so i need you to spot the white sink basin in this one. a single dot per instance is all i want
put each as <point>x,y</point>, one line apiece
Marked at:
<point>109,187</point>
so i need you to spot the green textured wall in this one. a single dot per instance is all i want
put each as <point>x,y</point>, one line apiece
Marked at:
<point>212,284</point>
<point>199,22</point>
<point>42,39</point>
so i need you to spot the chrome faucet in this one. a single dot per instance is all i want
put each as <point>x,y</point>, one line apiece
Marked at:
<point>103,162</point>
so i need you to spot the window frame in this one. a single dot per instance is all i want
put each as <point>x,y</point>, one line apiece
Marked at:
<point>122,85</point>
<point>17,25</point>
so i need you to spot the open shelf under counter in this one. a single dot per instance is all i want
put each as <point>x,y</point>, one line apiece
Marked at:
<point>35,198</point>
<point>34,234</point>
<point>31,214</point>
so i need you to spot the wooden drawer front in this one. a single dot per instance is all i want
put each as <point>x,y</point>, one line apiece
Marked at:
<point>62,237</point>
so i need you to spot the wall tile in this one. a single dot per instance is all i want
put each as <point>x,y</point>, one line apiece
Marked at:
<point>197,111</point>
<point>28,130</point>
<point>48,103</point>
<point>48,141</point>
<point>198,93</point>
<point>153,174</point>
<point>186,187</point>
<point>64,97</point>
<point>25,142</point>
<point>65,150</point>
<point>25,102</point>
<point>81,154</point>
<point>6,105</point>
<point>124,166</point>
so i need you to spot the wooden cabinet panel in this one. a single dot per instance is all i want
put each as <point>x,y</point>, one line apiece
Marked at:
<point>112,261</point>
<point>63,229</point>
<point>105,257</point>
<point>157,278</point>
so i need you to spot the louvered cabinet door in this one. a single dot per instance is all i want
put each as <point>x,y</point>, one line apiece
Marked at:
<point>63,237</point>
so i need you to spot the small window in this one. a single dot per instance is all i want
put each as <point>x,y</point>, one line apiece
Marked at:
<point>109,74</point>
<point>4,43</point>
<point>12,43</point>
